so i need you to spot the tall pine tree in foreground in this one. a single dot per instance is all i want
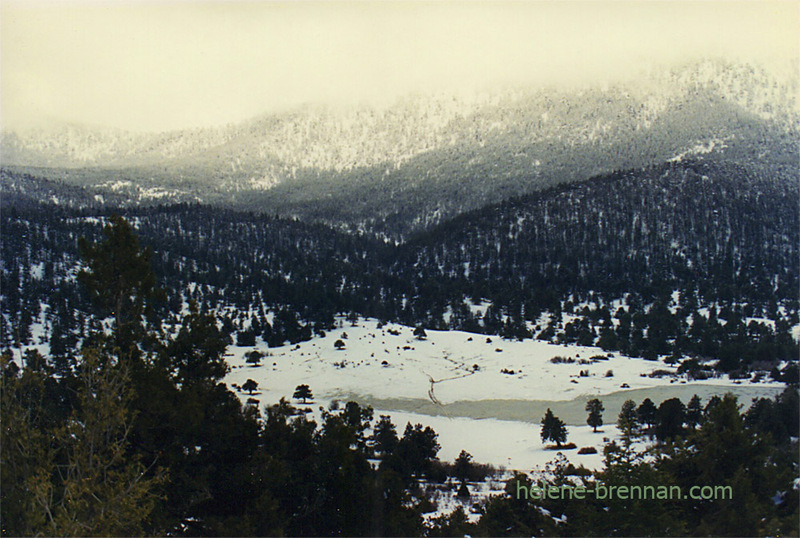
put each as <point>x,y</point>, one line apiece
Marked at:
<point>120,281</point>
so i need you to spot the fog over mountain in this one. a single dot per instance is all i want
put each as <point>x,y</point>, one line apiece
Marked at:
<point>429,156</point>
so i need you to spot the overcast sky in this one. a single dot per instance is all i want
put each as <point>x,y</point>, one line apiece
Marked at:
<point>167,65</point>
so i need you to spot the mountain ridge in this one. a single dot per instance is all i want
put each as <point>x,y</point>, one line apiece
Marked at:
<point>422,160</point>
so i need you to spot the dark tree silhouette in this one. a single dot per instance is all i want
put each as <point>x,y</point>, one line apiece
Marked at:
<point>595,409</point>
<point>250,386</point>
<point>553,429</point>
<point>119,277</point>
<point>302,392</point>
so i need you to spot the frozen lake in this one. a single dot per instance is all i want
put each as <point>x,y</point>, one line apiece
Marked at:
<point>572,412</point>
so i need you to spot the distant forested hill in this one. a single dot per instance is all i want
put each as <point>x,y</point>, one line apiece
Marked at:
<point>691,258</point>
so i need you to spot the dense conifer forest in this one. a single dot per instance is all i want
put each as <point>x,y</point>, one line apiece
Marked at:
<point>692,261</point>
<point>126,427</point>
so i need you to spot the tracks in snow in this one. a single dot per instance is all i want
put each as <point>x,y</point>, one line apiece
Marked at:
<point>458,365</point>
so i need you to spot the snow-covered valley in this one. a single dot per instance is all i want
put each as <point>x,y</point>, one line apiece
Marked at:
<point>481,394</point>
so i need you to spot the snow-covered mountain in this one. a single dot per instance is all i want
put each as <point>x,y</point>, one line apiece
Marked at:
<point>311,137</point>
<point>344,138</point>
<point>432,156</point>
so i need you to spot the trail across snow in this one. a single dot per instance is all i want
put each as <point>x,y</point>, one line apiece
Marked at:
<point>459,365</point>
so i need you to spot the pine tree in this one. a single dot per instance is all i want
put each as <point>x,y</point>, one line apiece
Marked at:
<point>553,429</point>
<point>384,435</point>
<point>462,466</point>
<point>671,416</point>
<point>254,358</point>
<point>196,354</point>
<point>417,448</point>
<point>79,477</point>
<point>626,421</point>
<point>694,412</point>
<point>27,458</point>
<point>105,491</point>
<point>302,392</point>
<point>646,413</point>
<point>725,453</point>
<point>595,409</point>
<point>250,386</point>
<point>119,279</point>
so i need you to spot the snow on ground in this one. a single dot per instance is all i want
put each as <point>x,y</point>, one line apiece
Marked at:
<point>450,366</point>
<point>482,394</point>
<point>505,443</point>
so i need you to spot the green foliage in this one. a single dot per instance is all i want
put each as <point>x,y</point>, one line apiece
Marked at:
<point>119,278</point>
<point>79,477</point>
<point>694,412</point>
<point>323,482</point>
<point>250,386</point>
<point>725,451</point>
<point>513,514</point>
<point>254,358</point>
<point>246,338</point>
<point>777,418</point>
<point>384,436</point>
<point>196,353</point>
<point>721,453</point>
<point>104,491</point>
<point>27,458</point>
<point>646,413</point>
<point>671,416</point>
<point>453,524</point>
<point>414,455</point>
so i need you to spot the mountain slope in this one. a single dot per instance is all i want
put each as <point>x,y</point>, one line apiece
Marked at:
<point>690,258</point>
<point>424,159</point>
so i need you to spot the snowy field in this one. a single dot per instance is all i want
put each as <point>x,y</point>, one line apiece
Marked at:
<point>483,395</point>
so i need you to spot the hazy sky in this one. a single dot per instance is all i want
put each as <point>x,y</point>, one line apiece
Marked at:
<point>165,65</point>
